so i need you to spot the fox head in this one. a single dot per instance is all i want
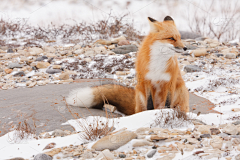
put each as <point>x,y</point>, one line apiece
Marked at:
<point>166,32</point>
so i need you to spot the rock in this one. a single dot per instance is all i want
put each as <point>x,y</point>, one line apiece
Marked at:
<point>8,71</point>
<point>122,155</point>
<point>203,129</point>
<point>42,65</point>
<point>64,76</point>
<point>14,65</point>
<point>125,49</point>
<point>51,55</point>
<point>56,66</point>
<point>118,39</point>
<point>1,70</point>
<point>236,123</point>
<point>123,42</point>
<point>49,49</point>
<point>100,50</point>
<point>199,53</point>
<point>89,53</point>
<point>236,141</point>
<point>236,109</point>
<point>228,146</point>
<point>113,142</point>
<point>79,51</point>
<point>87,59</point>
<point>58,132</point>
<point>168,157</point>
<point>111,46</point>
<point>159,137</point>
<point>50,146</point>
<point>190,47</point>
<point>205,136</point>
<point>19,74</point>
<point>230,56</point>
<point>223,135</point>
<point>189,35</point>
<point>192,68</point>
<point>105,154</point>
<point>141,142</point>
<point>53,71</point>
<point>143,130</point>
<point>216,143</point>
<point>230,129</point>
<point>17,158</point>
<point>219,54</point>
<point>32,84</point>
<point>10,50</point>
<point>103,42</point>
<point>193,141</point>
<point>87,155</point>
<point>76,47</point>
<point>41,58</point>
<point>42,156</point>
<point>109,107</point>
<point>237,157</point>
<point>151,153</point>
<point>198,122</point>
<point>215,131</point>
<point>35,51</point>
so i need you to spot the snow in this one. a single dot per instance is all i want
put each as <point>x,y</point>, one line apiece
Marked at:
<point>29,146</point>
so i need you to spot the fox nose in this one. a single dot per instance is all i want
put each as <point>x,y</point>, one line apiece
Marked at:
<point>184,48</point>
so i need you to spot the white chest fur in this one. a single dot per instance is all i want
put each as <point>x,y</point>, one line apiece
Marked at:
<point>160,53</point>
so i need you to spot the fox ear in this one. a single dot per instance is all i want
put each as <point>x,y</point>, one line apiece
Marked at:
<point>153,25</point>
<point>168,18</point>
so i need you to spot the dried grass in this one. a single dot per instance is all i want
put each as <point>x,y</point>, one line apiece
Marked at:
<point>171,119</point>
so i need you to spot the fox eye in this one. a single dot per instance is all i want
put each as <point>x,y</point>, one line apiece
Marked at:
<point>172,38</point>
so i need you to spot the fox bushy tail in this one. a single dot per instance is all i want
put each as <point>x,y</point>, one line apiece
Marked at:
<point>120,96</point>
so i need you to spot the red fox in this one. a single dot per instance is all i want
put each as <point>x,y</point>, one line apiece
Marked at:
<point>160,83</point>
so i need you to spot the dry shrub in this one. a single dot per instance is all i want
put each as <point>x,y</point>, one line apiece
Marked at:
<point>171,118</point>
<point>24,129</point>
<point>82,33</point>
<point>95,128</point>
<point>223,26</point>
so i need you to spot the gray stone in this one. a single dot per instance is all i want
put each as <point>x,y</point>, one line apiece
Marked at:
<point>189,35</point>
<point>219,54</point>
<point>17,158</point>
<point>41,58</point>
<point>205,136</point>
<point>87,155</point>
<point>14,65</point>
<point>10,50</point>
<point>191,47</point>
<point>151,153</point>
<point>122,155</point>
<point>222,135</point>
<point>192,68</point>
<point>19,74</point>
<point>53,71</point>
<point>236,123</point>
<point>125,49</point>
<point>42,156</point>
<point>237,157</point>
<point>59,132</point>
<point>200,38</point>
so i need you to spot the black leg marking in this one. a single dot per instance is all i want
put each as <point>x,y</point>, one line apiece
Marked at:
<point>168,101</point>
<point>150,103</point>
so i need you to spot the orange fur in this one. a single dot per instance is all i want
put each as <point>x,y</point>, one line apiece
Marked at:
<point>158,75</point>
<point>160,31</point>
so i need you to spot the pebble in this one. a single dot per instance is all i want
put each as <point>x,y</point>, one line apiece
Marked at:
<point>192,68</point>
<point>151,153</point>
<point>14,65</point>
<point>53,71</point>
<point>42,156</point>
